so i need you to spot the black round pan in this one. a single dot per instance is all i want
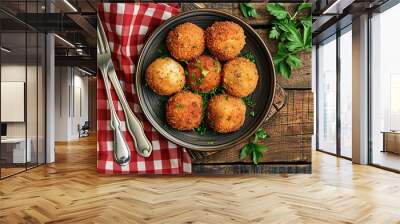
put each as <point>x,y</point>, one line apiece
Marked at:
<point>153,105</point>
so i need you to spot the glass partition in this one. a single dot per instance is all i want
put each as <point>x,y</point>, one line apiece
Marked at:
<point>14,153</point>
<point>346,92</point>
<point>385,89</point>
<point>22,95</point>
<point>326,95</point>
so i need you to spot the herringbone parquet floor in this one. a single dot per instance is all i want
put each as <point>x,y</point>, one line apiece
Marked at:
<point>70,191</point>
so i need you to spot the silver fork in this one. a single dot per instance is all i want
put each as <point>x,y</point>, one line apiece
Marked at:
<point>122,155</point>
<point>135,128</point>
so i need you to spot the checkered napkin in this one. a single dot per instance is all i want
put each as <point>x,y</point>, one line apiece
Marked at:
<point>127,25</point>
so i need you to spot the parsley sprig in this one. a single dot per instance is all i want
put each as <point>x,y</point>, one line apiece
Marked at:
<point>254,149</point>
<point>248,10</point>
<point>248,101</point>
<point>203,72</point>
<point>293,34</point>
<point>202,129</point>
<point>163,51</point>
<point>250,56</point>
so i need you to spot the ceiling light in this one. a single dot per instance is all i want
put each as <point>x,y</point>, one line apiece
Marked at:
<point>5,49</point>
<point>329,9</point>
<point>337,7</point>
<point>70,5</point>
<point>84,71</point>
<point>65,41</point>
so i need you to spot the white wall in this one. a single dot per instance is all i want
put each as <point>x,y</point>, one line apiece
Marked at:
<point>70,84</point>
<point>80,84</point>
<point>62,80</point>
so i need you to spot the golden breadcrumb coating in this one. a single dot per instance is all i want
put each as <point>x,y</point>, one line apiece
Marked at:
<point>186,41</point>
<point>184,111</point>
<point>240,77</point>
<point>165,76</point>
<point>226,113</point>
<point>204,74</point>
<point>225,40</point>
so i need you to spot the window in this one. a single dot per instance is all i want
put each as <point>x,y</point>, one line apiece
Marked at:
<point>334,106</point>
<point>385,89</point>
<point>326,96</point>
<point>346,92</point>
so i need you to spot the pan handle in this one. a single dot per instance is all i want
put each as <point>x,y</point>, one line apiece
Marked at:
<point>280,101</point>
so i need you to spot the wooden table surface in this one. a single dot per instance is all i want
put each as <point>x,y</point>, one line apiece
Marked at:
<point>290,129</point>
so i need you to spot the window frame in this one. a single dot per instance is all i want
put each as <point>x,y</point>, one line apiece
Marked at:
<point>338,33</point>
<point>381,9</point>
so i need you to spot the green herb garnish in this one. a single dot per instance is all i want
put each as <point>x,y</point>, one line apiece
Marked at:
<point>205,98</point>
<point>252,113</point>
<point>248,10</point>
<point>163,51</point>
<point>293,35</point>
<point>201,130</point>
<point>203,72</point>
<point>254,149</point>
<point>250,56</point>
<point>199,80</point>
<point>260,135</point>
<point>215,91</point>
<point>248,101</point>
<point>178,105</point>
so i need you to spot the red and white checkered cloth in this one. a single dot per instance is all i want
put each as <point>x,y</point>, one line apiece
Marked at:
<point>127,25</point>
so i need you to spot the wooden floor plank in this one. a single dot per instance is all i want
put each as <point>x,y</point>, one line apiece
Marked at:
<point>71,191</point>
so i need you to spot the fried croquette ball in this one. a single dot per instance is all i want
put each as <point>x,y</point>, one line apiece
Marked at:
<point>186,41</point>
<point>240,77</point>
<point>226,113</point>
<point>165,76</point>
<point>204,74</point>
<point>225,40</point>
<point>184,111</point>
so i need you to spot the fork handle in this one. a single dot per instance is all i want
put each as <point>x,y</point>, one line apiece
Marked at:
<point>135,127</point>
<point>122,154</point>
